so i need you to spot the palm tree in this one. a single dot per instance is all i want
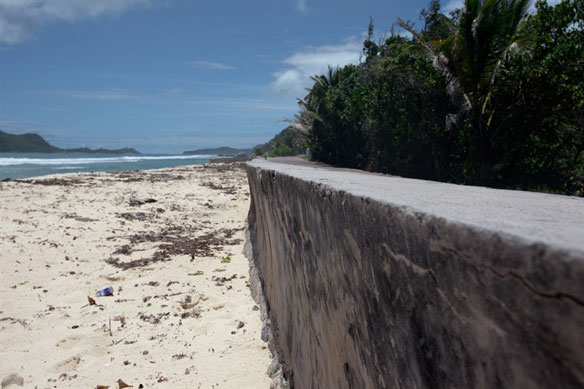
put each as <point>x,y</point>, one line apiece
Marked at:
<point>309,121</point>
<point>488,32</point>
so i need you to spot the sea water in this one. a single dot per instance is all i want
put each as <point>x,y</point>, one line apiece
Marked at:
<point>24,165</point>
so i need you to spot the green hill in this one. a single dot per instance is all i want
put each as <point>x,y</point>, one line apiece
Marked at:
<point>25,143</point>
<point>34,143</point>
<point>290,141</point>
<point>85,150</point>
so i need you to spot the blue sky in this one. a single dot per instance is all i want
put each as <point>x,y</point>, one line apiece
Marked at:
<point>165,76</point>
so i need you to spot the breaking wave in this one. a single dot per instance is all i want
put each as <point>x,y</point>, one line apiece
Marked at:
<point>94,160</point>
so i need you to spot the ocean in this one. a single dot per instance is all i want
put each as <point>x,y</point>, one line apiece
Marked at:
<point>24,165</point>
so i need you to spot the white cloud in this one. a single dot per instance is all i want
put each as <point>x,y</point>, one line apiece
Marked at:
<point>211,65</point>
<point>19,19</point>
<point>312,61</point>
<point>301,6</point>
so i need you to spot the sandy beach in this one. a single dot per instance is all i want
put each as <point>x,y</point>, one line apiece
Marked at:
<point>181,315</point>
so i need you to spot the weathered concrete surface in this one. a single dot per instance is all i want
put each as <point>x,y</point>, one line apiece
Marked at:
<point>374,281</point>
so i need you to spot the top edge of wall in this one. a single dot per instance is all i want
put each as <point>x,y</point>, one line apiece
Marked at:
<point>554,220</point>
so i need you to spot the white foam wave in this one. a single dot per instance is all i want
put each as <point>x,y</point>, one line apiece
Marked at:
<point>93,160</point>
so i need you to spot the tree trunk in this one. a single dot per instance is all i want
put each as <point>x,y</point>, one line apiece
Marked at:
<point>481,151</point>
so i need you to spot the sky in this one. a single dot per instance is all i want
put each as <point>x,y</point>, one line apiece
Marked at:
<point>165,76</point>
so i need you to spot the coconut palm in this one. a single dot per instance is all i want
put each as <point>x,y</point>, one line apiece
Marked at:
<point>308,121</point>
<point>488,32</point>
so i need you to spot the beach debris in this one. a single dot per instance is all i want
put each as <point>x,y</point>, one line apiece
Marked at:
<point>192,313</point>
<point>226,189</point>
<point>190,301</point>
<point>91,301</point>
<point>153,319</point>
<point>85,219</point>
<point>188,240</point>
<point>125,250</point>
<point>107,291</point>
<point>140,216</point>
<point>138,201</point>
<point>102,387</point>
<point>240,325</point>
<point>12,320</point>
<point>12,379</point>
<point>113,278</point>
<point>220,281</point>
<point>225,259</point>
<point>197,273</point>
<point>178,240</point>
<point>218,307</point>
<point>159,256</point>
<point>52,181</point>
<point>122,384</point>
<point>120,317</point>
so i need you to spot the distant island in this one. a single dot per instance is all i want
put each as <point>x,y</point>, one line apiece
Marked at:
<point>34,143</point>
<point>290,141</point>
<point>218,151</point>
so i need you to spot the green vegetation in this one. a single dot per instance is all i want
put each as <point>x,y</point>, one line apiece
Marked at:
<point>488,95</point>
<point>26,143</point>
<point>290,141</point>
<point>85,150</point>
<point>218,151</point>
<point>225,259</point>
<point>34,143</point>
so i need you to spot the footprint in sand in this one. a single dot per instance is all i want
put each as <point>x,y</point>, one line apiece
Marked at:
<point>68,343</point>
<point>68,365</point>
<point>93,345</point>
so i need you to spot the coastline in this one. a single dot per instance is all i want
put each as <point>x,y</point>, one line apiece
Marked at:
<point>189,318</point>
<point>29,165</point>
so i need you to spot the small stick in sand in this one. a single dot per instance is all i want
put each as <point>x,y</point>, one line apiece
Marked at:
<point>110,326</point>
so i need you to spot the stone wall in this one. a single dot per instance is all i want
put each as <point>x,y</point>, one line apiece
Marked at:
<point>366,291</point>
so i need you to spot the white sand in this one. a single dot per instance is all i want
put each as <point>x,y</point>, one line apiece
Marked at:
<point>54,243</point>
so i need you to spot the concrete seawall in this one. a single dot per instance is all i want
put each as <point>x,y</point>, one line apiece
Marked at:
<point>373,281</point>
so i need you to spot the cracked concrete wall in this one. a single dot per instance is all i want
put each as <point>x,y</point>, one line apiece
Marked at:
<point>365,294</point>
